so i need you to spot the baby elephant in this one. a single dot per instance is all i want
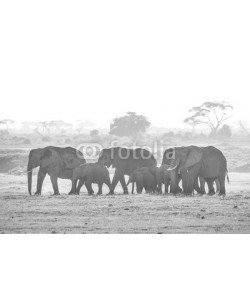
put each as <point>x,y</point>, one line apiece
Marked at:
<point>144,179</point>
<point>163,176</point>
<point>90,173</point>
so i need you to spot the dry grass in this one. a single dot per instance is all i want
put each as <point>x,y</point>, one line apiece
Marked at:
<point>20,213</point>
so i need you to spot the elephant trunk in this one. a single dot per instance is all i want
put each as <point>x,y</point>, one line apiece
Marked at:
<point>133,188</point>
<point>29,180</point>
<point>174,164</point>
<point>30,167</point>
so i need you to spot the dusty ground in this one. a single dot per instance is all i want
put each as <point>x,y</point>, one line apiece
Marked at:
<point>20,213</point>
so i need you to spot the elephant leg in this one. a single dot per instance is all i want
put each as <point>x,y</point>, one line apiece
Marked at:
<point>115,180</point>
<point>133,187</point>
<point>217,183</point>
<point>123,183</point>
<point>108,183</point>
<point>71,191</point>
<point>210,183</point>
<point>40,178</point>
<point>189,178</point>
<point>192,176</point>
<point>79,186</point>
<point>54,182</point>
<point>88,185</point>
<point>178,189</point>
<point>191,185</point>
<point>73,187</point>
<point>149,188</point>
<point>159,188</point>
<point>139,188</point>
<point>221,179</point>
<point>166,188</point>
<point>197,188</point>
<point>202,185</point>
<point>173,184</point>
<point>99,188</point>
<point>184,182</point>
<point>154,186</point>
<point>153,190</point>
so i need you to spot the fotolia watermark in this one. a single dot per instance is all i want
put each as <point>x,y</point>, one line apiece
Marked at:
<point>90,151</point>
<point>93,151</point>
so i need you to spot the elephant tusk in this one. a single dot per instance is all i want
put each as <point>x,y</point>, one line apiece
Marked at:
<point>171,169</point>
<point>82,165</point>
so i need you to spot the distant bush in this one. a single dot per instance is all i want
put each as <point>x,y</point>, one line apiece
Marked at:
<point>201,136</point>
<point>187,135</point>
<point>26,141</point>
<point>95,139</point>
<point>68,141</point>
<point>46,139</point>
<point>169,134</point>
<point>225,132</point>
<point>4,133</point>
<point>94,133</point>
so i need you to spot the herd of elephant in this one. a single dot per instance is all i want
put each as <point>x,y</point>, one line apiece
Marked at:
<point>191,166</point>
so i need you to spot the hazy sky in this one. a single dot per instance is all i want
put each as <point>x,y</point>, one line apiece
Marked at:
<point>97,60</point>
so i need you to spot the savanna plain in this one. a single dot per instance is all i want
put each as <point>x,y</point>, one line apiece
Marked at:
<point>143,213</point>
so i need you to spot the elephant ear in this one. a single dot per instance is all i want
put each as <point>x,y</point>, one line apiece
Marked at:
<point>70,159</point>
<point>37,153</point>
<point>193,158</point>
<point>50,157</point>
<point>47,153</point>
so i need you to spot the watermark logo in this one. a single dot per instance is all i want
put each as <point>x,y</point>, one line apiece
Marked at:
<point>90,151</point>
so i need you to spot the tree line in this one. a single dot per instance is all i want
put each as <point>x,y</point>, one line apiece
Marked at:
<point>212,114</point>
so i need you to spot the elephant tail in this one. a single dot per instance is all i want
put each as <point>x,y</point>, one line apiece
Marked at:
<point>228,177</point>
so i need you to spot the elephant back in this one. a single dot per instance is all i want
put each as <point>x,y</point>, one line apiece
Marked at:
<point>66,158</point>
<point>71,157</point>
<point>135,158</point>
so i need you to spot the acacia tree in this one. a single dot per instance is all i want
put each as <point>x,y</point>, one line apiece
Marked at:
<point>129,125</point>
<point>193,122</point>
<point>211,113</point>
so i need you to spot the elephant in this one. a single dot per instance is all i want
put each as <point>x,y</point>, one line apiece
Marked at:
<point>192,162</point>
<point>163,176</point>
<point>90,173</point>
<point>125,161</point>
<point>56,161</point>
<point>144,179</point>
